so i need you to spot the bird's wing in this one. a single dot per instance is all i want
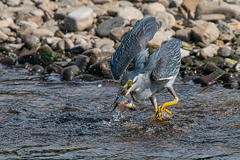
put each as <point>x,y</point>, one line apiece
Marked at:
<point>133,43</point>
<point>140,60</point>
<point>169,59</point>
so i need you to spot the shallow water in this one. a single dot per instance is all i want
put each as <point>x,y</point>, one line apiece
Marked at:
<point>50,119</point>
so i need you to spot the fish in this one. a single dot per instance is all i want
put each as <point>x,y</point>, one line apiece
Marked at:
<point>123,101</point>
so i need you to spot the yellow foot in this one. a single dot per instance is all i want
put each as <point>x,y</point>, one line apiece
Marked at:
<point>162,107</point>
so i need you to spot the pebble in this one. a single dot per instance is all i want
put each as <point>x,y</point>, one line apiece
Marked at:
<point>68,73</point>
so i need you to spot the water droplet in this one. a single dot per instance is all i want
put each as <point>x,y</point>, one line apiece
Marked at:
<point>99,85</point>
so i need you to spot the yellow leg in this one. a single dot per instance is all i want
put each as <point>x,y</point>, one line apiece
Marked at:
<point>162,107</point>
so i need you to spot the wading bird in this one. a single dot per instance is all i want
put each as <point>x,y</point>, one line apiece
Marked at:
<point>150,74</point>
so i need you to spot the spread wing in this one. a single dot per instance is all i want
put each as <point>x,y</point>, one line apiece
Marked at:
<point>133,43</point>
<point>169,60</point>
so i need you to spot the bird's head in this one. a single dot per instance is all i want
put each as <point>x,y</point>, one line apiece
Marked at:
<point>129,82</point>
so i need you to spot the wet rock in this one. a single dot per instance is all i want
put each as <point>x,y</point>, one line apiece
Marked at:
<point>81,48</point>
<point>129,13</point>
<point>187,61</point>
<point>27,56</point>
<point>44,56</point>
<point>8,61</point>
<point>219,61</point>
<point>79,19</point>
<point>105,27</point>
<point>206,32</point>
<point>42,32</point>
<point>68,73</point>
<point>210,67</point>
<point>212,78</point>
<point>101,69</point>
<point>100,42</point>
<point>224,51</point>
<point>31,42</point>
<point>50,40</point>
<point>36,70</point>
<point>184,35</point>
<point>168,20</point>
<point>211,17</point>
<point>175,3</point>
<point>65,44</point>
<point>230,11</point>
<point>3,37</point>
<point>54,68</point>
<point>153,8</point>
<point>229,63</point>
<point>82,61</point>
<point>95,55</point>
<point>119,33</point>
<point>209,51</point>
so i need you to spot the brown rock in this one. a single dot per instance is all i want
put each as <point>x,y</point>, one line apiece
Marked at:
<point>68,73</point>
<point>119,33</point>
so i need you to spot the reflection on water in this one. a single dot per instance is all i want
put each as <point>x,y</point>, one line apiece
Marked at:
<point>42,118</point>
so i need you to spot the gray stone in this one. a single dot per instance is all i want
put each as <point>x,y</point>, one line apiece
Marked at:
<point>13,2</point>
<point>184,35</point>
<point>206,33</point>
<point>80,48</point>
<point>105,27</point>
<point>100,42</point>
<point>101,1</point>
<point>119,33</point>
<point>224,27</point>
<point>82,61</point>
<point>224,51</point>
<point>184,52</point>
<point>209,51</point>
<point>31,42</point>
<point>153,8</point>
<point>130,13</point>
<point>40,33</point>
<point>211,17</point>
<point>13,47</point>
<point>79,19</point>
<point>175,3</point>
<point>168,20</point>
<point>107,48</point>
<point>3,37</point>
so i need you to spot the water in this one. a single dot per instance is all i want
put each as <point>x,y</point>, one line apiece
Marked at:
<point>64,120</point>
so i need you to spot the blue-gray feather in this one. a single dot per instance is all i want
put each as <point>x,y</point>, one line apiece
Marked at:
<point>133,43</point>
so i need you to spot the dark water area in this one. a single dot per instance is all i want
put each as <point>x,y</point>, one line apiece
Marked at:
<point>45,118</point>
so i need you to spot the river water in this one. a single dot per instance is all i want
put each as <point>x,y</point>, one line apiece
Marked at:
<point>45,118</point>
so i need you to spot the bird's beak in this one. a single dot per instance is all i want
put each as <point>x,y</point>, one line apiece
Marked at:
<point>128,85</point>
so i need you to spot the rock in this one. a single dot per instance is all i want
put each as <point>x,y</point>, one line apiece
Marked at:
<point>54,68</point>
<point>4,23</point>
<point>211,17</point>
<point>68,73</point>
<point>44,56</point>
<point>224,27</point>
<point>105,27</point>
<point>153,8</point>
<point>184,52</point>
<point>40,33</point>
<point>13,47</point>
<point>187,61</point>
<point>225,37</point>
<point>210,67</point>
<point>101,1</point>
<point>206,33</point>
<point>129,13</point>
<point>36,70</point>
<point>237,52</point>
<point>168,20</point>
<point>190,5</point>
<point>3,37</point>
<point>31,42</point>
<point>184,35</point>
<point>27,56</point>
<point>107,48</point>
<point>95,55</point>
<point>65,44</point>
<point>237,66</point>
<point>219,61</point>
<point>119,33</point>
<point>87,77</point>
<point>8,61</point>
<point>229,63</point>
<point>212,78</point>
<point>224,51</point>
<point>50,40</point>
<point>13,2</point>
<point>101,69</point>
<point>82,62</point>
<point>100,42</point>
<point>230,11</point>
<point>209,51</point>
<point>81,48</point>
<point>26,28</point>
<point>79,19</point>
<point>175,3</point>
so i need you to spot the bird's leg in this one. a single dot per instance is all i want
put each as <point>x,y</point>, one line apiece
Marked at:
<point>153,99</point>
<point>162,106</point>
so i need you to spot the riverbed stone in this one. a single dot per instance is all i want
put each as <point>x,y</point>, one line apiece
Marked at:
<point>99,42</point>
<point>8,61</point>
<point>3,37</point>
<point>82,61</point>
<point>36,70</point>
<point>80,48</point>
<point>229,63</point>
<point>68,73</point>
<point>54,68</point>
<point>13,2</point>
<point>206,32</point>
<point>184,35</point>
<point>105,27</point>
<point>118,34</point>
<point>168,20</point>
<point>209,51</point>
<point>107,48</point>
<point>101,69</point>
<point>31,41</point>
<point>129,13</point>
<point>211,17</point>
<point>79,19</point>
<point>153,8</point>
<point>224,51</point>
<point>44,56</point>
<point>42,32</point>
<point>95,55</point>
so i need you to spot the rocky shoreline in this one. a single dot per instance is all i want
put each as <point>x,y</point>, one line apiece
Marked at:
<point>75,39</point>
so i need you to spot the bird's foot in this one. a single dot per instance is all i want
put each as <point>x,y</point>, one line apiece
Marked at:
<point>160,111</point>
